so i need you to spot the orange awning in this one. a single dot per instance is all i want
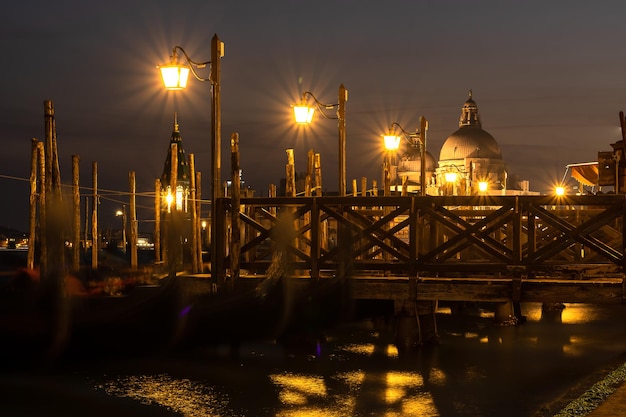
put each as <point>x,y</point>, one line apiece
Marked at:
<point>585,173</point>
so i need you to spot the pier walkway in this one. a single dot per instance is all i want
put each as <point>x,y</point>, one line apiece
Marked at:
<point>418,248</point>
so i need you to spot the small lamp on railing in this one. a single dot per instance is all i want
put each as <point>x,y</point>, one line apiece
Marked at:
<point>559,190</point>
<point>483,186</point>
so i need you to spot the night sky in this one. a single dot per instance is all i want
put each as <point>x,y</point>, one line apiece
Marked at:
<point>548,77</point>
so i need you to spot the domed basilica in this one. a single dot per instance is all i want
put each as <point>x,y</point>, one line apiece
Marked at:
<point>470,161</point>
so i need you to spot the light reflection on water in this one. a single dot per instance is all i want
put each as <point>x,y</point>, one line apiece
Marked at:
<point>189,398</point>
<point>477,369</point>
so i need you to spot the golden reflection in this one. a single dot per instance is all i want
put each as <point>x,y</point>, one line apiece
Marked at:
<point>436,376</point>
<point>394,394</point>
<point>392,351</point>
<point>353,379</point>
<point>312,412</point>
<point>183,396</point>
<point>573,348</point>
<point>364,349</point>
<point>404,379</point>
<point>444,310</point>
<point>470,335</point>
<point>304,384</point>
<point>578,313</point>
<point>421,405</point>
<point>487,314</point>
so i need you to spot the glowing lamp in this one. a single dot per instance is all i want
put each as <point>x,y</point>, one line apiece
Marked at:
<point>174,75</point>
<point>450,176</point>
<point>392,142</point>
<point>303,113</point>
<point>559,190</point>
<point>482,186</point>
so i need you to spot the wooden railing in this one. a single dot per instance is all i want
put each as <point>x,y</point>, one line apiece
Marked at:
<point>426,235</point>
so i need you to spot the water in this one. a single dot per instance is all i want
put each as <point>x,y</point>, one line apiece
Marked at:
<point>477,369</point>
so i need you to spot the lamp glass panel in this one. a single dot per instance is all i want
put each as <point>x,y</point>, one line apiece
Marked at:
<point>450,176</point>
<point>392,142</point>
<point>303,113</point>
<point>174,76</point>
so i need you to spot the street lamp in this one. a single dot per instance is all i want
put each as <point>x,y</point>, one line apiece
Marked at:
<point>175,78</point>
<point>417,138</point>
<point>303,114</point>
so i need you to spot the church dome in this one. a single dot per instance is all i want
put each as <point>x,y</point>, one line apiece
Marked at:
<point>470,140</point>
<point>412,154</point>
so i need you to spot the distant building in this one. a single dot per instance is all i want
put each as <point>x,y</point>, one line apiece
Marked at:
<point>179,196</point>
<point>470,162</point>
<point>470,156</point>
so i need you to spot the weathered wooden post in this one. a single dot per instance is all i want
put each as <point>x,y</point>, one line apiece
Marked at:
<point>308,190</point>
<point>290,175</point>
<point>235,249</point>
<point>194,215</point>
<point>363,186</point>
<point>76,214</point>
<point>133,220</point>
<point>317,167</point>
<point>355,191</point>
<point>405,185</point>
<point>55,215</point>
<point>32,214</point>
<point>157,221</point>
<point>43,213</point>
<point>95,244</point>
<point>199,221</point>
<point>290,191</point>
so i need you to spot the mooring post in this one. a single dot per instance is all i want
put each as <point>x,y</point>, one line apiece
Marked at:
<point>157,221</point>
<point>235,249</point>
<point>75,214</point>
<point>94,217</point>
<point>194,213</point>
<point>32,214</point>
<point>199,221</point>
<point>133,220</point>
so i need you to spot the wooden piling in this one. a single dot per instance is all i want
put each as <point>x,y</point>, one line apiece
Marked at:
<point>318,175</point>
<point>235,250</point>
<point>194,214</point>
<point>199,221</point>
<point>290,175</point>
<point>133,220</point>
<point>76,214</point>
<point>43,213</point>
<point>95,244</point>
<point>32,213</point>
<point>157,220</point>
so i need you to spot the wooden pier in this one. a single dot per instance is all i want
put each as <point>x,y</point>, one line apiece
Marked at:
<point>416,250</point>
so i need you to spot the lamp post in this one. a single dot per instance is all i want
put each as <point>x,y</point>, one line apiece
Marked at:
<point>392,142</point>
<point>417,138</point>
<point>122,213</point>
<point>175,78</point>
<point>304,115</point>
